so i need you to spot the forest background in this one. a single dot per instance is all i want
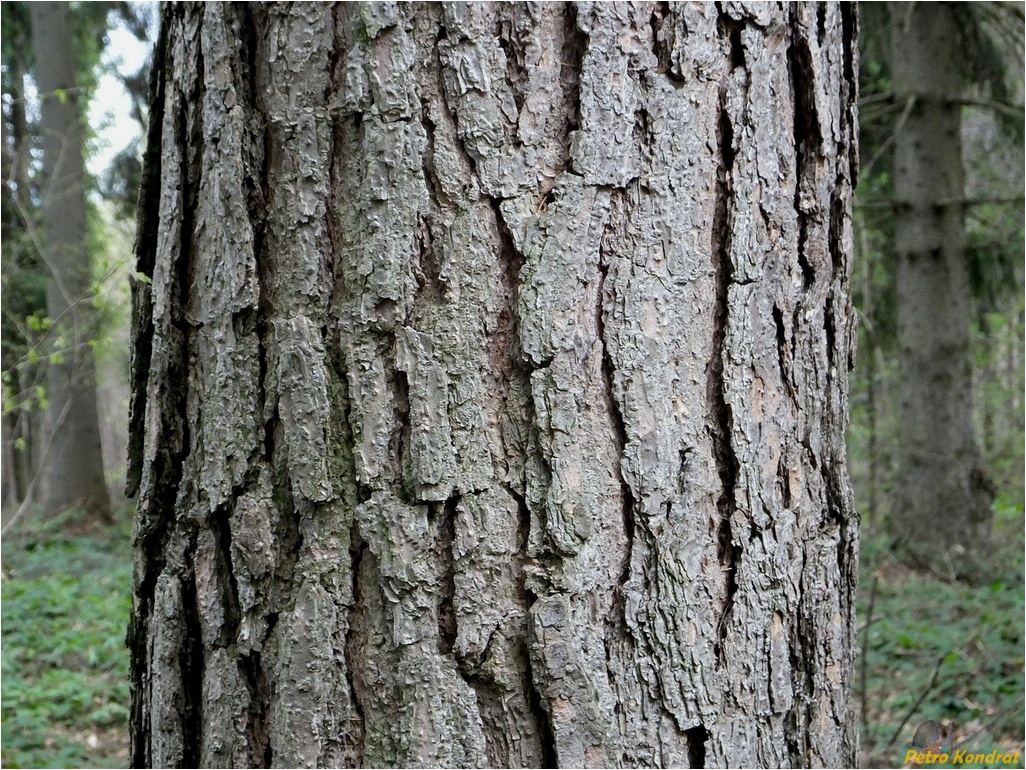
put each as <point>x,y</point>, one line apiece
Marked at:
<point>940,626</point>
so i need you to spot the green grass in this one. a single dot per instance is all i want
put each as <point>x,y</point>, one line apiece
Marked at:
<point>65,667</point>
<point>944,651</point>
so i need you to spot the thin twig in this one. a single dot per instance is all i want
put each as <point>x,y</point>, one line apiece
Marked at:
<point>886,100</point>
<point>916,705</point>
<point>23,508</point>
<point>864,668</point>
<point>909,104</point>
<point>993,721</point>
<point>996,200</point>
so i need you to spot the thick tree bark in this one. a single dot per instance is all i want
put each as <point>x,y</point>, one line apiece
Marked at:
<point>73,463</point>
<point>490,387</point>
<point>942,500</point>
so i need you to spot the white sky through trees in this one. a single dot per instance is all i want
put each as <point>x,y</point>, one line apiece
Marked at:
<point>110,109</point>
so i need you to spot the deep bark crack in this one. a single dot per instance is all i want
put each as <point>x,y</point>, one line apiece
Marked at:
<point>192,663</point>
<point>145,248</point>
<point>357,549</point>
<point>613,406</point>
<point>447,627</point>
<point>575,48</point>
<point>696,738</point>
<point>720,420</point>
<point>542,719</point>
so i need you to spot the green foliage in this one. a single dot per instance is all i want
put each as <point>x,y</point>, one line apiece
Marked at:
<point>65,667</point>
<point>965,640</point>
<point>15,36</point>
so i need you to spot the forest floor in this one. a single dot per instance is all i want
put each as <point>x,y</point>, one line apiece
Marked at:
<point>941,650</point>
<point>65,692</point>
<point>935,649</point>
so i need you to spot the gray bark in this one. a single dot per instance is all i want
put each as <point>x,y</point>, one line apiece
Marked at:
<point>942,501</point>
<point>72,470</point>
<point>490,387</point>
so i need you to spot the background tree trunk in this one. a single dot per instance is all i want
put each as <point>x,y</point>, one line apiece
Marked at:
<point>942,496</point>
<point>72,461</point>
<point>490,387</point>
<point>22,424</point>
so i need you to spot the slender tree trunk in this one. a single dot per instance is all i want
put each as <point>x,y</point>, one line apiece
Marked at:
<point>490,387</point>
<point>942,505</point>
<point>13,481</point>
<point>73,465</point>
<point>20,422</point>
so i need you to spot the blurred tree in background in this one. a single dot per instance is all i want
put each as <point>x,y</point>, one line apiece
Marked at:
<point>72,462</point>
<point>939,276</point>
<point>56,237</point>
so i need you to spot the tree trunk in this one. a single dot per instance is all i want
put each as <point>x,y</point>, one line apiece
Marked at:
<point>942,495</point>
<point>490,387</point>
<point>72,464</point>
<point>20,421</point>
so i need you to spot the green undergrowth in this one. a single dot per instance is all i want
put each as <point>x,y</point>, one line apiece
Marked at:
<point>65,608</point>
<point>942,650</point>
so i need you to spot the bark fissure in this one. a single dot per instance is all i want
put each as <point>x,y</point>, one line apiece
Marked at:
<point>523,522</point>
<point>575,48</point>
<point>807,139</point>
<point>191,665</point>
<point>452,115</point>
<point>806,144</point>
<point>662,47</point>
<point>145,249</point>
<point>142,352</point>
<point>720,425</point>
<point>604,299</point>
<point>696,738</point>
<point>357,552</point>
<point>838,278</point>
<point>513,49</point>
<point>539,707</point>
<point>849,53</point>
<point>447,627</point>
<point>249,665</point>
<point>428,272</point>
<point>507,349</point>
<point>257,686</point>
<point>400,443</point>
<point>785,354</point>
<point>730,29</point>
<point>808,272</point>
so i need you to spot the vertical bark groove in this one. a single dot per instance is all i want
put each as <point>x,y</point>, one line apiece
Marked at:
<point>720,420</point>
